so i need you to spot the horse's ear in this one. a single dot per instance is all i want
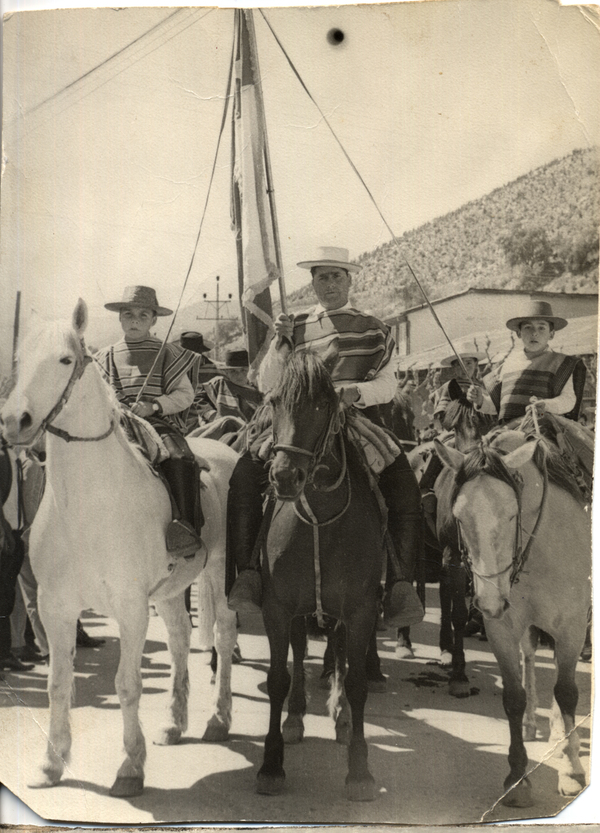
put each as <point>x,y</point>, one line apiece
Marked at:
<point>450,457</point>
<point>517,458</point>
<point>80,317</point>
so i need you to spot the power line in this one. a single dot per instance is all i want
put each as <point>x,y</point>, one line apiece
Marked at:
<point>144,45</point>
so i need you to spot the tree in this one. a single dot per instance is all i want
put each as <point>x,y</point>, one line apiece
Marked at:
<point>527,246</point>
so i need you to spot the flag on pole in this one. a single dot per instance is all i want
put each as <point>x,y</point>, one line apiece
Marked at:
<point>252,218</point>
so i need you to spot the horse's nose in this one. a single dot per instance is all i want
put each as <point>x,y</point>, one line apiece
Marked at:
<point>25,421</point>
<point>289,480</point>
<point>493,609</point>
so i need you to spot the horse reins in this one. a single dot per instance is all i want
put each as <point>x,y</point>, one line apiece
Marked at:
<point>80,365</point>
<point>520,555</point>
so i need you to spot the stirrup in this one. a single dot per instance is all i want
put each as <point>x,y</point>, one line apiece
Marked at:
<point>182,539</point>
<point>402,607</point>
<point>246,594</point>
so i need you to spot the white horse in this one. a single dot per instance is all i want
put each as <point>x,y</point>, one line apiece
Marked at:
<point>528,538</point>
<point>98,541</point>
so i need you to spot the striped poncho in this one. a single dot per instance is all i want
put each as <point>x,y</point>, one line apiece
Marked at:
<point>127,365</point>
<point>360,345</point>
<point>542,376</point>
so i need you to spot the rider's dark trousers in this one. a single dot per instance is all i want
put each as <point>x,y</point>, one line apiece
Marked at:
<point>400,490</point>
<point>245,501</point>
<point>244,513</point>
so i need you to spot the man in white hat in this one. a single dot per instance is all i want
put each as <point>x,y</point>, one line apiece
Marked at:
<point>140,363</point>
<point>364,376</point>
<point>554,379</point>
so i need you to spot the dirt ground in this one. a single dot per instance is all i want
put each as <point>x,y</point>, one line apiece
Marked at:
<point>436,760</point>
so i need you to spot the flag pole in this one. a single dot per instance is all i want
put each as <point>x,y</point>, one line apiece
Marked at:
<point>268,172</point>
<point>15,345</point>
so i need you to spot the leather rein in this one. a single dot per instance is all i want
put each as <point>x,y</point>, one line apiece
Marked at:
<point>80,365</point>
<point>520,555</point>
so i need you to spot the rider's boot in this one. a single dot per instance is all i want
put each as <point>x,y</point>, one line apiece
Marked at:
<point>244,519</point>
<point>402,606</point>
<point>183,477</point>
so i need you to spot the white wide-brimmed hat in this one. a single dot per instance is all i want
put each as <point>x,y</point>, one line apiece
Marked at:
<point>447,362</point>
<point>331,256</point>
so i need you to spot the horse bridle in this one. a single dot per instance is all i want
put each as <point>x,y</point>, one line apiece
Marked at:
<point>81,362</point>
<point>332,428</point>
<point>520,555</point>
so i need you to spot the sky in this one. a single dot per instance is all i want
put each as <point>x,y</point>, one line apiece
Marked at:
<point>105,182</point>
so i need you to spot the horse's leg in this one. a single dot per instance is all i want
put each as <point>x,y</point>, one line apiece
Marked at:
<point>404,648</point>
<point>293,727</point>
<point>571,775</point>
<point>528,646</point>
<point>459,682</point>
<point>177,621</point>
<point>271,776</point>
<point>506,650</point>
<point>61,633</point>
<point>337,704</point>
<point>360,784</point>
<point>446,637</point>
<point>225,637</point>
<point>133,626</point>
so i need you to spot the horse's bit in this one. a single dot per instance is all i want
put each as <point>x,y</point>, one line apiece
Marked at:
<point>80,365</point>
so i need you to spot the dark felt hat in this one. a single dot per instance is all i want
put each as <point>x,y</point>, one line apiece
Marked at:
<point>138,296</point>
<point>234,359</point>
<point>194,342</point>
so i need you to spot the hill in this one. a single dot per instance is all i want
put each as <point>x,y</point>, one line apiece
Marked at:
<point>539,231</point>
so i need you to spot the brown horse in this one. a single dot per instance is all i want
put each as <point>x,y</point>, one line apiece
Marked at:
<point>323,553</point>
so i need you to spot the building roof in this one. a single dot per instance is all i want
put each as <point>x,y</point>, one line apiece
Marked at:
<point>487,291</point>
<point>579,338</point>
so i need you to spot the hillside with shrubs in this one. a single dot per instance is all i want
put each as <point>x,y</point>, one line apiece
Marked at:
<point>539,232</point>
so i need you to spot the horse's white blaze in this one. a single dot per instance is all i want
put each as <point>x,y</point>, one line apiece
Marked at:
<point>98,540</point>
<point>487,519</point>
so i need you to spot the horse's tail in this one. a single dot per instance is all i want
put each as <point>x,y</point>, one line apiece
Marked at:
<point>207,613</point>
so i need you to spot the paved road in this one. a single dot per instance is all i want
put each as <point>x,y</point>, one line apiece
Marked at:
<point>436,760</point>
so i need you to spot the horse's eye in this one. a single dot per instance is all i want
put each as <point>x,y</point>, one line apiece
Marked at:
<point>66,360</point>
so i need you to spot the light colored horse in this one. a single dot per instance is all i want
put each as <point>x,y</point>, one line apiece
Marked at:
<point>528,539</point>
<point>98,541</point>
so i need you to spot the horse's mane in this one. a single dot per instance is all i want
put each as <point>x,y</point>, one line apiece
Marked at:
<point>305,377</point>
<point>483,459</point>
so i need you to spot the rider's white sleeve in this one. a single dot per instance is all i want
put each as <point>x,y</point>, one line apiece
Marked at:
<point>272,366</point>
<point>378,391</point>
<point>180,398</point>
<point>565,401</point>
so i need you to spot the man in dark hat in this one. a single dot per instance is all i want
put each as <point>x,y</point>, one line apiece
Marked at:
<point>200,369</point>
<point>230,400</point>
<point>554,379</point>
<point>364,376</point>
<point>141,364</point>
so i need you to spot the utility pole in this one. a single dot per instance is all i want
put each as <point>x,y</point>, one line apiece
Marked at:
<point>216,304</point>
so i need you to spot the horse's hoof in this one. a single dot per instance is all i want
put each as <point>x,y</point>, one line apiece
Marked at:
<point>169,736</point>
<point>127,786</point>
<point>445,659</point>
<point>293,731</point>
<point>404,652</point>
<point>360,790</point>
<point>529,732</point>
<point>270,784</point>
<point>215,732</point>
<point>570,784</point>
<point>46,778</point>
<point>377,686</point>
<point>519,796</point>
<point>459,689</point>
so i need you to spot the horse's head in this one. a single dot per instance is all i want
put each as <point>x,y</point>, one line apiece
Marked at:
<point>305,406</point>
<point>486,503</point>
<point>48,361</point>
<point>468,424</point>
